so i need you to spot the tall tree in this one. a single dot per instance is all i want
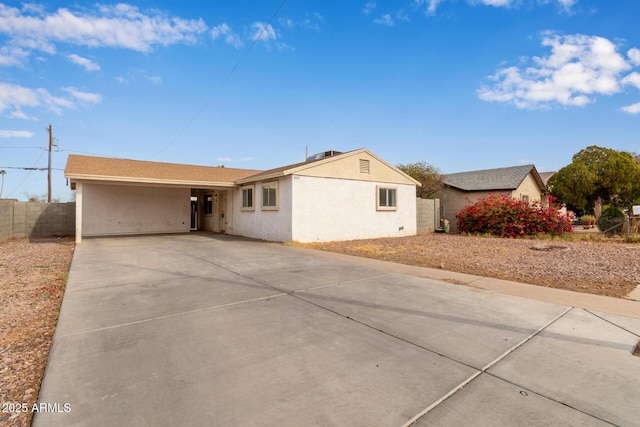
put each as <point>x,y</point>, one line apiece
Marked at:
<point>429,176</point>
<point>595,176</point>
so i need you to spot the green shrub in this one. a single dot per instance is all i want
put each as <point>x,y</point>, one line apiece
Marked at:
<point>587,219</point>
<point>503,216</point>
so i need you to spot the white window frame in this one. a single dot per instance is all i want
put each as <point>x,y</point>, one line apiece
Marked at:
<point>386,206</point>
<point>269,185</point>
<point>248,208</point>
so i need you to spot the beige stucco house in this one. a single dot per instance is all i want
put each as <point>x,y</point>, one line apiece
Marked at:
<point>346,196</point>
<point>465,188</point>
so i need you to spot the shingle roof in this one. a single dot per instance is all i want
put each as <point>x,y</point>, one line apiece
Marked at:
<point>281,171</point>
<point>109,169</point>
<point>492,179</point>
<point>545,176</point>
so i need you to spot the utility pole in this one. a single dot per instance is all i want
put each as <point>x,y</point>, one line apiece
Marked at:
<point>49,167</point>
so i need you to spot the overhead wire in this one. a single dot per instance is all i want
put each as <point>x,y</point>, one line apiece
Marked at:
<point>28,173</point>
<point>224,81</point>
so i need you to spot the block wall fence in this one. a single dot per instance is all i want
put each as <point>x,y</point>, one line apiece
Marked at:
<point>34,219</point>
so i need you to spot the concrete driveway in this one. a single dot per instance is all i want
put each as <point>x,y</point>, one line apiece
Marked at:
<point>203,330</point>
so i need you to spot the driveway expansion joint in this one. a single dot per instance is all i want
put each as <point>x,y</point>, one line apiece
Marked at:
<point>484,370</point>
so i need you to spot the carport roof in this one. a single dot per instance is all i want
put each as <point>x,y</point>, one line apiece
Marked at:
<point>91,168</point>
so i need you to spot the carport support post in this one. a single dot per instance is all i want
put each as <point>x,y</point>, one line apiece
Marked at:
<point>78,212</point>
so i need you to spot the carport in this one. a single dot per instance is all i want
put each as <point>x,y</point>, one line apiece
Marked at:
<point>121,196</point>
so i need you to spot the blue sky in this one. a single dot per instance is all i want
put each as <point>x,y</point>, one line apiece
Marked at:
<point>460,84</point>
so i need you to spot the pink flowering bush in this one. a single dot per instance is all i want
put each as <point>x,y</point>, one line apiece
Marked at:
<point>503,216</point>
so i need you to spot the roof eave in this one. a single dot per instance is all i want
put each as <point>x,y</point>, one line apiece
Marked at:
<point>149,181</point>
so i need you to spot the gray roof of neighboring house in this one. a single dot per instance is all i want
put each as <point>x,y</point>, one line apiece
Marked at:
<point>545,176</point>
<point>492,179</point>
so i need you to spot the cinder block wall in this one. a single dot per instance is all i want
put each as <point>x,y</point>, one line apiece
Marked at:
<point>427,215</point>
<point>33,219</point>
<point>6,219</point>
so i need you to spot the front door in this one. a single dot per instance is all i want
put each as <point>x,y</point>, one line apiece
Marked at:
<point>222,205</point>
<point>194,213</point>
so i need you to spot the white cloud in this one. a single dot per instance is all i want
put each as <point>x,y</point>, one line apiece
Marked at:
<point>15,134</point>
<point>567,4</point>
<point>225,159</point>
<point>385,19</point>
<point>311,21</point>
<point>432,5</point>
<point>631,109</point>
<point>578,68</point>
<point>223,30</point>
<point>88,64</point>
<point>634,55</point>
<point>632,79</point>
<point>89,98</point>
<point>12,56</point>
<point>136,75</point>
<point>369,7</point>
<point>496,3</point>
<point>14,98</point>
<point>118,26</point>
<point>156,80</point>
<point>262,31</point>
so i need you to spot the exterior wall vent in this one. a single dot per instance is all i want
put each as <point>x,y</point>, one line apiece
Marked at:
<point>364,166</point>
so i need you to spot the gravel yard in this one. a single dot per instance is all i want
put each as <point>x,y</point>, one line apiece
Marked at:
<point>33,274</point>
<point>597,267</point>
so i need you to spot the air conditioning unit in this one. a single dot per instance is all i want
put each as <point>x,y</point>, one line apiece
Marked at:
<point>323,155</point>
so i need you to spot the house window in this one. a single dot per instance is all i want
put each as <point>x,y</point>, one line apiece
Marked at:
<point>364,166</point>
<point>387,199</point>
<point>270,196</point>
<point>247,198</point>
<point>208,204</point>
<point>524,198</point>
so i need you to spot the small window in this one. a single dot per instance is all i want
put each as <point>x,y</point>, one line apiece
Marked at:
<point>364,166</point>
<point>387,199</point>
<point>247,198</point>
<point>524,198</point>
<point>270,196</point>
<point>208,204</point>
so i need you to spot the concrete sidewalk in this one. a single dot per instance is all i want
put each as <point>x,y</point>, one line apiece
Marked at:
<point>205,330</point>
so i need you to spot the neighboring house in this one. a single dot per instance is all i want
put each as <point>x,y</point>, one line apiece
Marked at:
<point>347,196</point>
<point>545,177</point>
<point>465,188</point>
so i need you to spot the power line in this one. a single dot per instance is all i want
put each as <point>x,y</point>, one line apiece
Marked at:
<point>39,148</point>
<point>28,173</point>
<point>224,81</point>
<point>29,169</point>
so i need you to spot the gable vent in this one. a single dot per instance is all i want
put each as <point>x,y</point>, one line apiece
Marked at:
<point>364,166</point>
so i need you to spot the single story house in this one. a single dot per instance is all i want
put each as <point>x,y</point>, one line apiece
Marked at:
<point>465,188</point>
<point>342,196</point>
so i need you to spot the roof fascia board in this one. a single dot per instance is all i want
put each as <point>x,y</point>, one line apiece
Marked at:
<point>159,182</point>
<point>268,177</point>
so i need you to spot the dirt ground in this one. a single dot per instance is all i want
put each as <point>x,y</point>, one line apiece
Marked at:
<point>33,274</point>
<point>596,267</point>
